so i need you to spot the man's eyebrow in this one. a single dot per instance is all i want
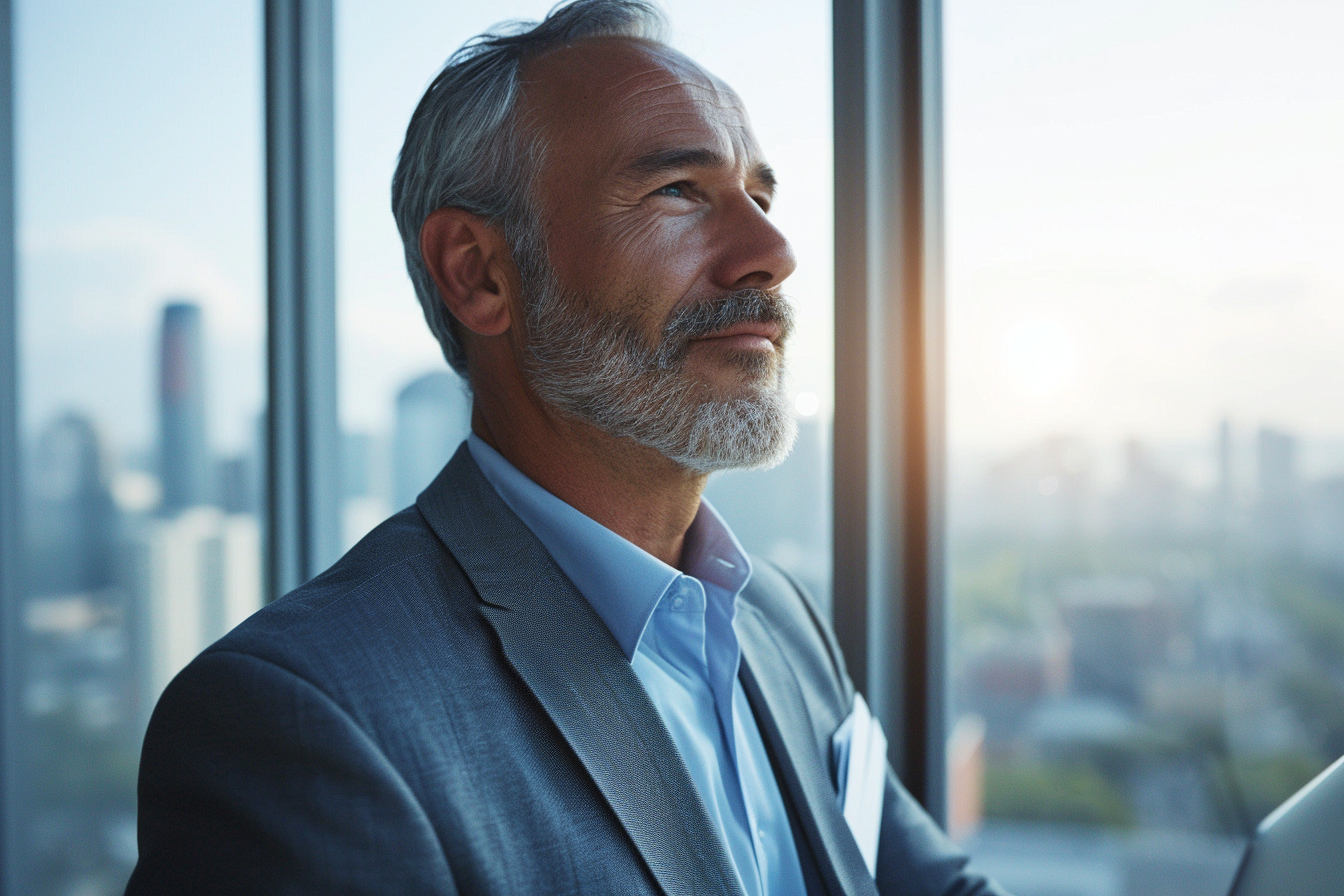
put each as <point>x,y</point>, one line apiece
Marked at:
<point>766,175</point>
<point>664,161</point>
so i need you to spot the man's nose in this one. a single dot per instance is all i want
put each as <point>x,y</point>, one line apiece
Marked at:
<point>755,254</point>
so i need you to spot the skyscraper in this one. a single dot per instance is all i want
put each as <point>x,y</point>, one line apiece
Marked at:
<point>1276,465</point>
<point>184,463</point>
<point>72,520</point>
<point>1226,482</point>
<point>433,417</point>
<point>1278,512</point>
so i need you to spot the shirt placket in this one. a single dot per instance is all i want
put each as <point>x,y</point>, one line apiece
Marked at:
<point>699,648</point>
<point>723,659</point>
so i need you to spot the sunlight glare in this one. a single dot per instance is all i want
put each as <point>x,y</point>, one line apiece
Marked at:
<point>1038,356</point>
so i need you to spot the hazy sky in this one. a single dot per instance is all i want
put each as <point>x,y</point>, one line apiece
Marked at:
<point>139,177</point>
<point>1145,218</point>
<point>1144,204</point>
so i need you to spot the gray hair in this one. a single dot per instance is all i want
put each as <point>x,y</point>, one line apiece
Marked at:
<point>465,147</point>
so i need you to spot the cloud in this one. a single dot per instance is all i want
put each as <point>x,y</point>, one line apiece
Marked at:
<point>114,274</point>
<point>91,296</point>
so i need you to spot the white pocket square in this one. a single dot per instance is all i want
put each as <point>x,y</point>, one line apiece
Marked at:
<point>859,749</point>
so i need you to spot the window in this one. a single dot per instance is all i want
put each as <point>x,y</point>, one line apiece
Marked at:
<point>1146,520</point>
<point>141,375</point>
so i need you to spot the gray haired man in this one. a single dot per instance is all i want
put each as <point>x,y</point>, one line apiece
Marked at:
<point>558,672</point>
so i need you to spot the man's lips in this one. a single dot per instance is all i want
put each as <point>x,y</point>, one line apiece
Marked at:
<point>751,335</point>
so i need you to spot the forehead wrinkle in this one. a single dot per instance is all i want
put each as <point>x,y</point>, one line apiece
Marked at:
<point>652,72</point>
<point>688,122</point>
<point>666,129</point>
<point>677,99</point>
<point>656,100</point>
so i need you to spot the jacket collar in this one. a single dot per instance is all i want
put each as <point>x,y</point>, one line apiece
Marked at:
<point>572,664</point>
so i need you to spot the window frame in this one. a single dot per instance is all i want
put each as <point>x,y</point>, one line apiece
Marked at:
<point>11,511</point>
<point>890,607</point>
<point>302,509</point>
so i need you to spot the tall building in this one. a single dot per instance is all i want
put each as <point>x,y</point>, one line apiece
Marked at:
<point>433,417</point>
<point>199,576</point>
<point>1276,465</point>
<point>1278,513</point>
<point>238,484</point>
<point>357,465</point>
<point>366,484</point>
<point>72,521</point>
<point>1226,482</point>
<point>184,458</point>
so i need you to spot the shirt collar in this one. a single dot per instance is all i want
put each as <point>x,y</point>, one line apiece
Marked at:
<point>621,580</point>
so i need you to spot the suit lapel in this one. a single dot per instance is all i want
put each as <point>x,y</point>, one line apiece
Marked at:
<point>570,662</point>
<point>782,715</point>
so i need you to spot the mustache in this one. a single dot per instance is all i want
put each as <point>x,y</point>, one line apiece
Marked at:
<point>709,316</point>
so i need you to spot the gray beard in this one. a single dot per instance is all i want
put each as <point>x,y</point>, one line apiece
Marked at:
<point>596,366</point>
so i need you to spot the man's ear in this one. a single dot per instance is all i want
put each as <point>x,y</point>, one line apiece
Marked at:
<point>472,268</point>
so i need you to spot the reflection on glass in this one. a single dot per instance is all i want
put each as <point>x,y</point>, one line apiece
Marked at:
<point>403,411</point>
<point>141,374</point>
<point>1147,443</point>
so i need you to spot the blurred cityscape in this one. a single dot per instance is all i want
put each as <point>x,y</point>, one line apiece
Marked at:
<point>1145,662</point>
<point>137,560</point>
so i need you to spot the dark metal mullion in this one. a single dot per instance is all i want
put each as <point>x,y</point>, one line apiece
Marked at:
<point>11,511</point>
<point>303,450</point>
<point>933,438</point>
<point>888,493</point>
<point>850,580</point>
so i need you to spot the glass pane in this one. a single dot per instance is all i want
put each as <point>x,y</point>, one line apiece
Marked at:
<point>1146,432</point>
<point>404,413</point>
<point>141,376</point>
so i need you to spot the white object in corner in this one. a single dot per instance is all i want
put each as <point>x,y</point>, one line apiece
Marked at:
<point>860,751</point>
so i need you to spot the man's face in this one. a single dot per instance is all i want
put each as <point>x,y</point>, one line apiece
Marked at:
<point>654,311</point>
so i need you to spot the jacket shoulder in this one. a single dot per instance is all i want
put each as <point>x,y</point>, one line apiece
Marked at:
<point>396,605</point>
<point>269,786</point>
<point>400,568</point>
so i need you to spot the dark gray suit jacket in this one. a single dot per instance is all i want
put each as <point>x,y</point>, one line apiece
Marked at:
<point>442,712</point>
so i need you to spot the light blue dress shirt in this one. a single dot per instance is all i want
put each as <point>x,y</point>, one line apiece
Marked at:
<point>677,631</point>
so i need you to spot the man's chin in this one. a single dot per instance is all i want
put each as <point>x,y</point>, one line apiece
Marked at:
<point>755,432</point>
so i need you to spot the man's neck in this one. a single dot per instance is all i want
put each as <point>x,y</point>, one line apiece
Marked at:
<point>634,491</point>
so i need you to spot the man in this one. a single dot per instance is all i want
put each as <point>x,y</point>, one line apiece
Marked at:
<point>557,672</point>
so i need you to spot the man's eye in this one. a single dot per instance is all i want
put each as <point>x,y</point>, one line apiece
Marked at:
<point>678,190</point>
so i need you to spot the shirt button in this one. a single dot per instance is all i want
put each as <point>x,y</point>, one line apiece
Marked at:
<point>678,602</point>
